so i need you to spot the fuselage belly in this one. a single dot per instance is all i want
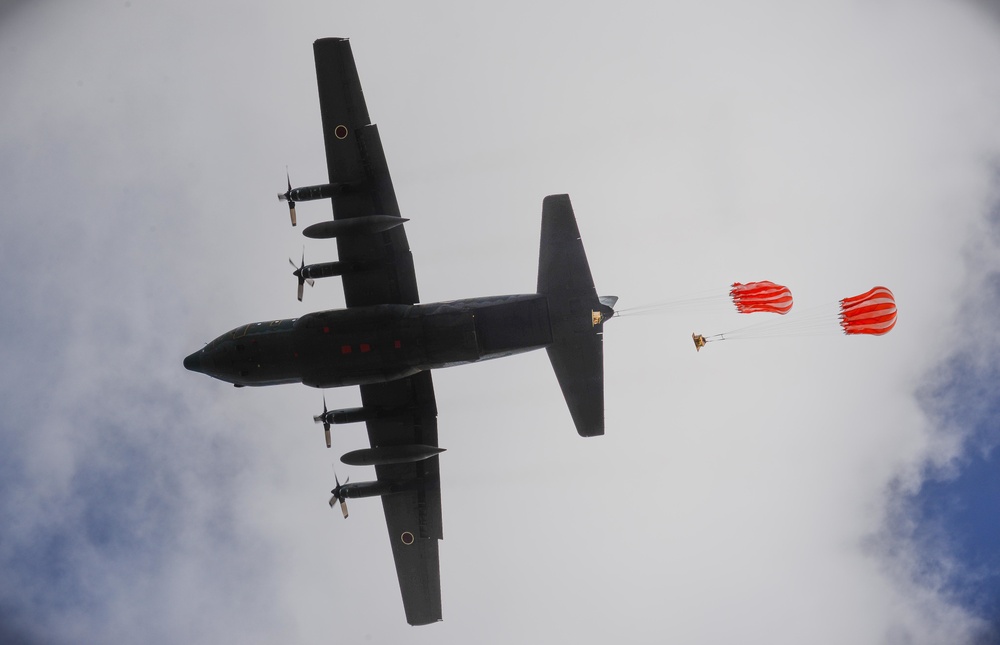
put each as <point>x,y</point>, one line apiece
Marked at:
<point>365,345</point>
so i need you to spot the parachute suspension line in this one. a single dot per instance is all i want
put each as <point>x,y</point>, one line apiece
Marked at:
<point>707,300</point>
<point>814,320</point>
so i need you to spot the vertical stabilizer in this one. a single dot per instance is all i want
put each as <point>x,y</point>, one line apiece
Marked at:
<point>576,314</point>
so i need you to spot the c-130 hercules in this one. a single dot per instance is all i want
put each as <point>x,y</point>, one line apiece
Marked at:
<point>387,343</point>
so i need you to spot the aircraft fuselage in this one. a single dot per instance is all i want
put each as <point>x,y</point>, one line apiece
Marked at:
<point>375,344</point>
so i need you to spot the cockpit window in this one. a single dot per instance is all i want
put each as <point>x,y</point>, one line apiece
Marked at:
<point>265,327</point>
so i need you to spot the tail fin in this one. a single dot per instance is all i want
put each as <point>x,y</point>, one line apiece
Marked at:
<point>576,314</point>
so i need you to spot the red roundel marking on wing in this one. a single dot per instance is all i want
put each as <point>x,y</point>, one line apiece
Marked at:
<point>872,312</point>
<point>340,132</point>
<point>761,296</point>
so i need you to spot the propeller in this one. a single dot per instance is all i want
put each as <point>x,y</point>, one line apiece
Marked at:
<point>338,495</point>
<point>298,273</point>
<point>321,418</point>
<point>287,197</point>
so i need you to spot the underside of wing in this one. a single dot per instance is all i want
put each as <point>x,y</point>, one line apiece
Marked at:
<point>413,515</point>
<point>378,266</point>
<point>414,551</point>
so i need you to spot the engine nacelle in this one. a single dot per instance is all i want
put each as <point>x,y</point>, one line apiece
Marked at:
<point>351,415</point>
<point>324,270</point>
<point>309,193</point>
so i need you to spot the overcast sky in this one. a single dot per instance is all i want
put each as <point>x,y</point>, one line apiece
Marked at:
<point>811,489</point>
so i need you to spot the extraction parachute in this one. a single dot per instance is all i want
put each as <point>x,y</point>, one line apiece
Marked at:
<point>753,297</point>
<point>748,298</point>
<point>872,312</point>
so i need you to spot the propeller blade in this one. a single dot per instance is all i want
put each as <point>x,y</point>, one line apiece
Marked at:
<point>287,197</point>
<point>298,272</point>
<point>338,495</point>
<point>319,417</point>
<point>326,429</point>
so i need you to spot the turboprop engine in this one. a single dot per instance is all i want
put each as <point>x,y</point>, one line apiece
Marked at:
<point>341,492</point>
<point>346,415</point>
<point>305,194</point>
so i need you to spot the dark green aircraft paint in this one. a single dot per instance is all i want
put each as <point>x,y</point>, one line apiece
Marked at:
<point>375,344</point>
<point>380,343</point>
<point>387,344</point>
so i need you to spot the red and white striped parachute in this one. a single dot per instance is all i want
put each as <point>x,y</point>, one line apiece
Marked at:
<point>873,312</point>
<point>761,296</point>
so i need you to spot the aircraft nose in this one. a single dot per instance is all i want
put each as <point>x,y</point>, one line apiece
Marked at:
<point>193,362</point>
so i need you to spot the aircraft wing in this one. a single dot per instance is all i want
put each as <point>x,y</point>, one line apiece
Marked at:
<point>381,266</point>
<point>413,516</point>
<point>381,272</point>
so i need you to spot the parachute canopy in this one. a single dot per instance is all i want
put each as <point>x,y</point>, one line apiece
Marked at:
<point>873,312</point>
<point>761,296</point>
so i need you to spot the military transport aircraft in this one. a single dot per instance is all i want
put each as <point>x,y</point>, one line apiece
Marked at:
<point>387,343</point>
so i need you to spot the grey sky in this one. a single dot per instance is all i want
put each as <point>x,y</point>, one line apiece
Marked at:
<point>742,493</point>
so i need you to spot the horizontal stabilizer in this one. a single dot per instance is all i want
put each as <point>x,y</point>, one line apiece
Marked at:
<point>575,313</point>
